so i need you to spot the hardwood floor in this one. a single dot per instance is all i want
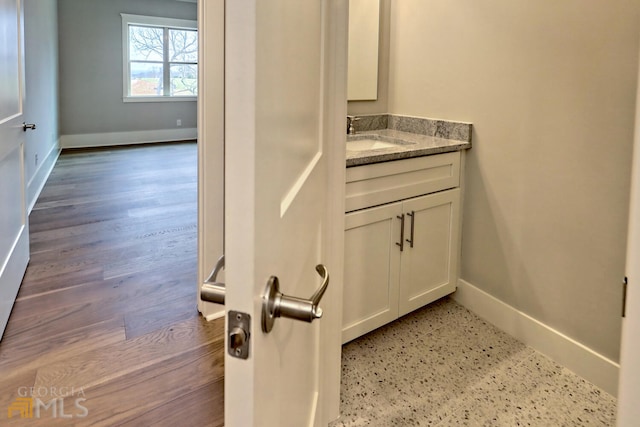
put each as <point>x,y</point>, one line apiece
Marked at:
<point>107,311</point>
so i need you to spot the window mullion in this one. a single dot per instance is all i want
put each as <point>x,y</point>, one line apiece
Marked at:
<point>166,67</point>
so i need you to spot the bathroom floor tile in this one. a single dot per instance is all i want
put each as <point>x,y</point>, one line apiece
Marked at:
<point>442,365</point>
<point>536,392</point>
<point>449,357</point>
<point>360,402</point>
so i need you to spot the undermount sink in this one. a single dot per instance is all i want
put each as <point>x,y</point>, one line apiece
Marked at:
<point>368,144</point>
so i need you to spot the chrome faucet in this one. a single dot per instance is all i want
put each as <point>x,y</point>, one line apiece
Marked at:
<point>350,129</point>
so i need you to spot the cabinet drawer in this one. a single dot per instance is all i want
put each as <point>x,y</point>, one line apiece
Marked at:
<point>380,183</point>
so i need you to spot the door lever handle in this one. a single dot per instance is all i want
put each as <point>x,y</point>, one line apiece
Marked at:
<point>275,304</point>
<point>26,126</point>
<point>211,290</point>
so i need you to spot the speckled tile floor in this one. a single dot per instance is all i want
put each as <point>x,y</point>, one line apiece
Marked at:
<point>444,366</point>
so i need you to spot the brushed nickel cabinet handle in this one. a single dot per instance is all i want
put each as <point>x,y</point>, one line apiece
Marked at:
<point>401,244</point>
<point>413,220</point>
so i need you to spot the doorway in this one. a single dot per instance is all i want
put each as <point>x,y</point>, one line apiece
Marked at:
<point>123,333</point>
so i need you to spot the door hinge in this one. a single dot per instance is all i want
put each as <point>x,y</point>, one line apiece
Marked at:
<point>625,283</point>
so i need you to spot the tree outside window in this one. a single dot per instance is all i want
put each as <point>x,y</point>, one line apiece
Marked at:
<point>162,60</point>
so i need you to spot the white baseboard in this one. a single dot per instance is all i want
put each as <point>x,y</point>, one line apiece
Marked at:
<point>39,179</point>
<point>210,311</point>
<point>564,350</point>
<point>214,316</point>
<point>126,138</point>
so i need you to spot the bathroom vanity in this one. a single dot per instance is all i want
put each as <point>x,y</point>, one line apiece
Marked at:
<point>402,225</point>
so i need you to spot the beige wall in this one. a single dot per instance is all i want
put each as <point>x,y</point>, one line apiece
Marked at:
<point>550,88</point>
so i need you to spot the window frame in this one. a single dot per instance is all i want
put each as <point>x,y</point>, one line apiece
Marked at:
<point>150,21</point>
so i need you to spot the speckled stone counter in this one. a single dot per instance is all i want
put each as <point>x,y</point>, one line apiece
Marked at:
<point>411,136</point>
<point>406,145</point>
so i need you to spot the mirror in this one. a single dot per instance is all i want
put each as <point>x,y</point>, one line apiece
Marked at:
<point>362,75</point>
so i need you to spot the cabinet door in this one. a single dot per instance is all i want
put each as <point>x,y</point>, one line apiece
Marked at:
<point>372,269</point>
<point>429,269</point>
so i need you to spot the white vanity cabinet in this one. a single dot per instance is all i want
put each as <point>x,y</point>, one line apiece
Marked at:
<point>401,238</point>
<point>428,270</point>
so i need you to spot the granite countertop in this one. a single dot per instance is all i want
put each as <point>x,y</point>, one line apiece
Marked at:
<point>406,145</point>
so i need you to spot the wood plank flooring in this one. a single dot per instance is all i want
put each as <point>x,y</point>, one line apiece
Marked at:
<point>107,309</point>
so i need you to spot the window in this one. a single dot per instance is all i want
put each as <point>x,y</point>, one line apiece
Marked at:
<point>160,59</point>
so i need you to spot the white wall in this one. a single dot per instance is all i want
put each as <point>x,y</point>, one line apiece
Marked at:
<point>41,104</point>
<point>550,88</point>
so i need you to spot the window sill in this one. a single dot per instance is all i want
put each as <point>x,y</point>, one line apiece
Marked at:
<point>159,98</point>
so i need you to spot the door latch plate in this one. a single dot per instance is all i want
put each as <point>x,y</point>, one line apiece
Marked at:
<point>239,334</point>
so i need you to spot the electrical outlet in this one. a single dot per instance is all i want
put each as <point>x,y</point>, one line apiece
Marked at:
<point>36,157</point>
<point>178,122</point>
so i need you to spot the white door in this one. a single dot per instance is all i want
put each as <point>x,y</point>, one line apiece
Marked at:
<point>14,227</point>
<point>285,109</point>
<point>210,146</point>
<point>629,388</point>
